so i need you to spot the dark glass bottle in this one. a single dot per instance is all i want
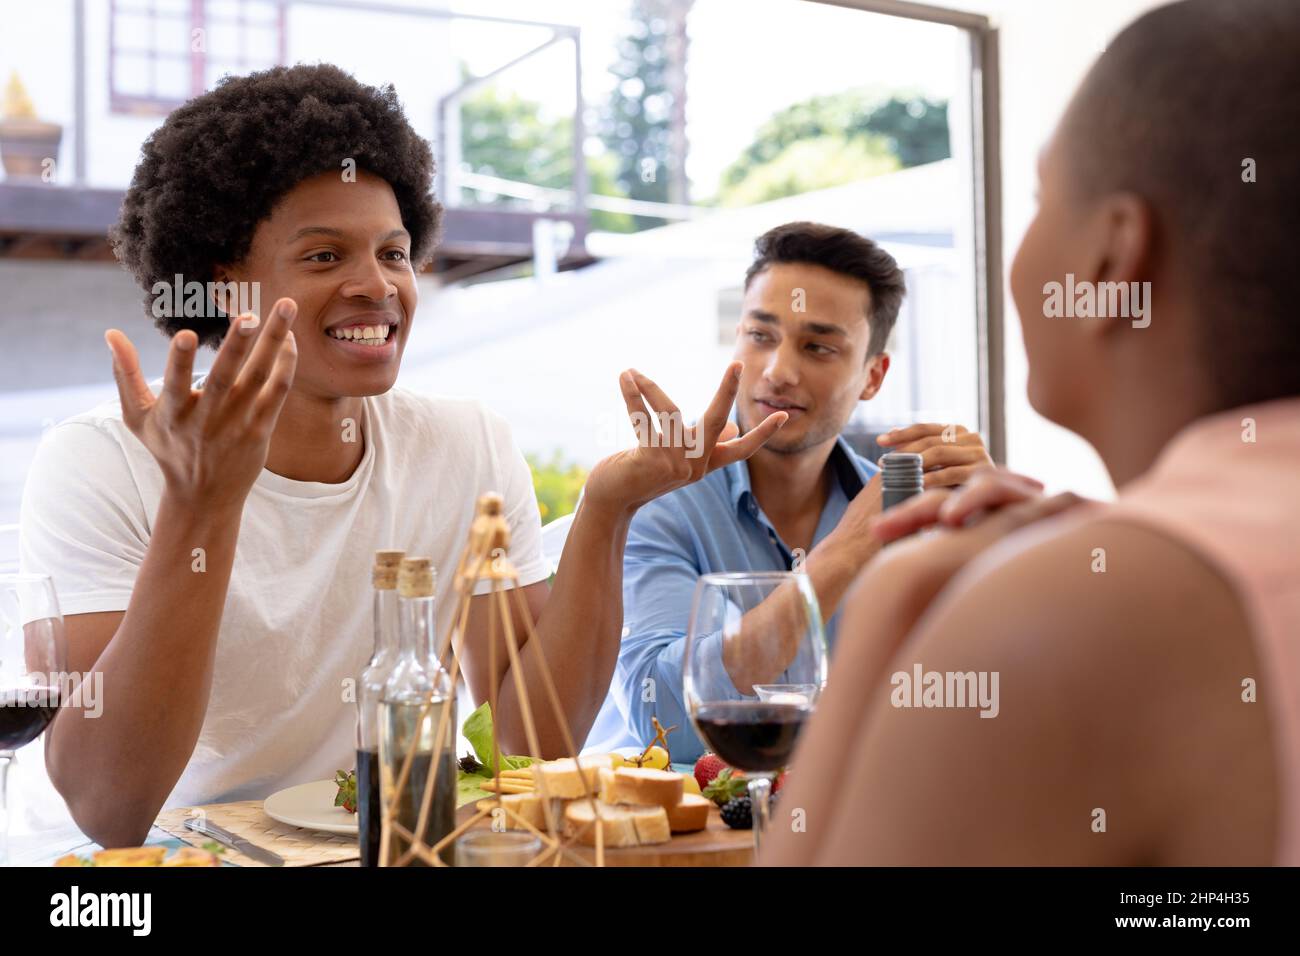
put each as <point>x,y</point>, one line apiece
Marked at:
<point>415,697</point>
<point>384,579</point>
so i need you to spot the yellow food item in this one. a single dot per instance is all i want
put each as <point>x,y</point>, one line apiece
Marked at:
<point>525,805</point>
<point>619,826</point>
<point>656,758</point>
<point>641,786</point>
<point>508,786</point>
<point>130,856</point>
<point>144,856</point>
<point>690,784</point>
<point>690,815</point>
<point>651,825</point>
<point>569,779</point>
<point>192,856</point>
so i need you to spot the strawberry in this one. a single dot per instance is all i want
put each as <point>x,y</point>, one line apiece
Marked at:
<point>706,768</point>
<point>779,782</point>
<point>347,795</point>
<point>726,786</point>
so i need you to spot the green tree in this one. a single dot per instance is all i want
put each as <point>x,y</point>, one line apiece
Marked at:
<point>509,136</point>
<point>916,127</point>
<point>505,135</point>
<point>643,124</point>
<point>807,164</point>
<point>557,484</point>
<point>913,130</point>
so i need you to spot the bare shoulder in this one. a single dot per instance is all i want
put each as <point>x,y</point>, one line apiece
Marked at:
<point>1107,592</point>
<point>1123,731</point>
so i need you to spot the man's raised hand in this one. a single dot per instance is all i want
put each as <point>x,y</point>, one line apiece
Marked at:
<point>212,443</point>
<point>670,453</point>
<point>950,454</point>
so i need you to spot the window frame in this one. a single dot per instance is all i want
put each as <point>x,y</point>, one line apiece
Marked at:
<point>199,19</point>
<point>986,133</point>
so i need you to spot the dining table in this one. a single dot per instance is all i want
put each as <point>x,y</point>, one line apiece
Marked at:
<point>721,846</point>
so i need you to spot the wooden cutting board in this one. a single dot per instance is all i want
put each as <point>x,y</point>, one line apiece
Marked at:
<point>715,845</point>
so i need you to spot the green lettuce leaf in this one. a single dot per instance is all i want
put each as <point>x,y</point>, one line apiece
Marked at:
<point>478,730</point>
<point>469,789</point>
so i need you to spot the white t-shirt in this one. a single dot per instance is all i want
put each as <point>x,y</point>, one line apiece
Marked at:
<point>297,621</point>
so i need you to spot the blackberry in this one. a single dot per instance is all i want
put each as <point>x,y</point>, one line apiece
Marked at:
<point>468,764</point>
<point>738,814</point>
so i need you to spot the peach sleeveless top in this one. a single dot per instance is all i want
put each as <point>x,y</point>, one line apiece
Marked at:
<point>1228,486</point>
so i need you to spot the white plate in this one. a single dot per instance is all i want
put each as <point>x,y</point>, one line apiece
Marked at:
<point>311,805</point>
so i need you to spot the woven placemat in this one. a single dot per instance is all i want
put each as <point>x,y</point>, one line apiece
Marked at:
<point>298,846</point>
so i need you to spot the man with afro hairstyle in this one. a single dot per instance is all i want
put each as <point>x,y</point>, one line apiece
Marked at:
<point>211,535</point>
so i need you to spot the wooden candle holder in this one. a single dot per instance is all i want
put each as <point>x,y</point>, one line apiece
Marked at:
<point>485,559</point>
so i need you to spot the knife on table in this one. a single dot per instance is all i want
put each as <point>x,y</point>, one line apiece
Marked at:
<point>223,836</point>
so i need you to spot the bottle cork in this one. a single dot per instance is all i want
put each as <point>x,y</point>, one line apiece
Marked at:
<point>384,573</point>
<point>416,578</point>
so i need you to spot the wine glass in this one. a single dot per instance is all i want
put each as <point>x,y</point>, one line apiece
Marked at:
<point>31,671</point>
<point>754,665</point>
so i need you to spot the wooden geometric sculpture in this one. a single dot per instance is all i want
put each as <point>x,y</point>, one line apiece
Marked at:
<point>485,559</point>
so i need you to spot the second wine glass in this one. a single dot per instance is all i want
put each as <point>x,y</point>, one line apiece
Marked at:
<point>754,665</point>
<point>31,671</point>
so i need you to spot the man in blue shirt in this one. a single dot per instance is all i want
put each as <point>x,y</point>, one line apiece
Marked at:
<point>819,306</point>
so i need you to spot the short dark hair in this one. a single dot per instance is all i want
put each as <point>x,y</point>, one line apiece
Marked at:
<point>218,164</point>
<point>842,251</point>
<point>1172,110</point>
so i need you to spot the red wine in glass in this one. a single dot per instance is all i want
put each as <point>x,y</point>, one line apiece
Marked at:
<point>752,735</point>
<point>32,656</point>
<point>752,670</point>
<point>25,713</point>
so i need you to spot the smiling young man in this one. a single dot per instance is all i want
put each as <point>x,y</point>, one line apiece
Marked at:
<point>819,305</point>
<point>212,543</point>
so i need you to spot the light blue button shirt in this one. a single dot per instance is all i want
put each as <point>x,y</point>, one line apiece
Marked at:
<point>715,524</point>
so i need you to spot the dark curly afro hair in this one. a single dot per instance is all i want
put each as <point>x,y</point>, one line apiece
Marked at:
<point>218,164</point>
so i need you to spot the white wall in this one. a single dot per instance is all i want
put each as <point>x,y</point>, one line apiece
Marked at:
<point>37,41</point>
<point>1046,48</point>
